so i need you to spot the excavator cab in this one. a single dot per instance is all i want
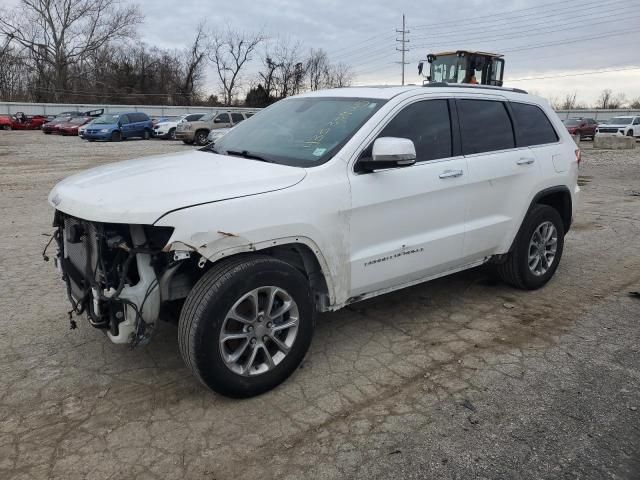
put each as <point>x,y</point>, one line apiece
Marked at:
<point>464,67</point>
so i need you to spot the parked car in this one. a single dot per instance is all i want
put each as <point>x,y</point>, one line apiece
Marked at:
<point>198,131</point>
<point>167,129</point>
<point>585,127</point>
<point>217,134</point>
<point>165,118</point>
<point>82,128</point>
<point>322,200</point>
<point>72,126</point>
<point>620,126</point>
<point>20,121</point>
<point>5,122</point>
<point>51,126</point>
<point>119,126</point>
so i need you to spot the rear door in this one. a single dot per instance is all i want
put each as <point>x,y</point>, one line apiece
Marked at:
<point>501,173</point>
<point>236,118</point>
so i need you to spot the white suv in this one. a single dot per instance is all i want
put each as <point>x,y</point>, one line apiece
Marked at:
<point>322,200</point>
<point>628,126</point>
<point>167,129</point>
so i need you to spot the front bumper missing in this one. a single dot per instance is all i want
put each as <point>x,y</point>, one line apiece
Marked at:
<point>127,307</point>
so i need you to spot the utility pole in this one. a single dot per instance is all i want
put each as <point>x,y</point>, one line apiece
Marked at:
<point>404,42</point>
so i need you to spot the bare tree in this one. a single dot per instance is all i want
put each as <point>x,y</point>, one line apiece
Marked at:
<point>61,33</point>
<point>317,66</point>
<point>339,75</point>
<point>605,98</point>
<point>231,50</point>
<point>194,62</point>
<point>635,103</point>
<point>569,101</point>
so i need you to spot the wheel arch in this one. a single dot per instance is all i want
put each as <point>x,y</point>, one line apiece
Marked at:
<point>557,197</point>
<point>300,252</point>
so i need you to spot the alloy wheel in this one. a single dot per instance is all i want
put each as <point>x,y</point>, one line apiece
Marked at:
<point>259,331</point>
<point>542,248</point>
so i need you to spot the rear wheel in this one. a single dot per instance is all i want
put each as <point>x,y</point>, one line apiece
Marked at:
<point>246,325</point>
<point>6,127</point>
<point>537,251</point>
<point>187,142</point>
<point>116,136</point>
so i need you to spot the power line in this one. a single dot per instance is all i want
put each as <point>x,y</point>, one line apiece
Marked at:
<point>404,42</point>
<point>497,15</point>
<point>579,74</point>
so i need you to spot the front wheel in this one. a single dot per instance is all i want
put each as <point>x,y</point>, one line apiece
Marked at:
<point>246,325</point>
<point>537,250</point>
<point>146,135</point>
<point>116,137</point>
<point>172,134</point>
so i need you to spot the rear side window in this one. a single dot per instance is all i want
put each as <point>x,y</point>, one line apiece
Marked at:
<point>237,117</point>
<point>428,125</point>
<point>485,126</point>
<point>534,128</point>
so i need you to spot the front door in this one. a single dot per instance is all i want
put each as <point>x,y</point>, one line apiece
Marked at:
<point>407,223</point>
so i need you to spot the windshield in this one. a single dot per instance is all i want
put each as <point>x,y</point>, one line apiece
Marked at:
<point>106,119</point>
<point>445,69</point>
<point>302,132</point>
<point>620,120</point>
<point>207,118</point>
<point>572,123</point>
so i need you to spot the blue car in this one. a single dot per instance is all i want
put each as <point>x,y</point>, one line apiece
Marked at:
<point>118,126</point>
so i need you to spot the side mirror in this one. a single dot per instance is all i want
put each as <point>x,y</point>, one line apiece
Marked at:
<point>389,152</point>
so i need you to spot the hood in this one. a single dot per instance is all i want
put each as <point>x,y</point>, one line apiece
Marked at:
<point>614,125</point>
<point>141,191</point>
<point>109,126</point>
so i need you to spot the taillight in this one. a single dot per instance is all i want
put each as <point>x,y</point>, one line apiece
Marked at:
<point>578,156</point>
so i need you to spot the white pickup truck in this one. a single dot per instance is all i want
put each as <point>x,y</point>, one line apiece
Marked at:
<point>322,200</point>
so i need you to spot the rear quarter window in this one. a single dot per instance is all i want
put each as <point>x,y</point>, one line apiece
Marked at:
<point>485,126</point>
<point>533,125</point>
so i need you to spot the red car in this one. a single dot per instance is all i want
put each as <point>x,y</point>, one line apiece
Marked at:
<point>71,127</point>
<point>5,122</point>
<point>585,127</point>
<point>20,121</point>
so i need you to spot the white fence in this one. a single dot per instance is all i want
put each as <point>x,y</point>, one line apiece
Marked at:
<point>597,114</point>
<point>151,110</point>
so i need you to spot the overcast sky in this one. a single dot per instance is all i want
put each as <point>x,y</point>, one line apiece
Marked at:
<point>540,38</point>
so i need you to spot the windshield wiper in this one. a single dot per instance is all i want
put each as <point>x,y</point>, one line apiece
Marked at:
<point>249,155</point>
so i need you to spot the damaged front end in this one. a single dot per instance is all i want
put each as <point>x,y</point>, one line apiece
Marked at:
<point>115,273</point>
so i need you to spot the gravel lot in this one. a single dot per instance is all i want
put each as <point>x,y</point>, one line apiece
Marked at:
<point>458,378</point>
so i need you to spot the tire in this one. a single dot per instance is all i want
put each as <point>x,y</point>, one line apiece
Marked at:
<point>146,135</point>
<point>200,138</point>
<point>6,127</point>
<point>206,313</point>
<point>187,142</point>
<point>516,270</point>
<point>172,134</point>
<point>116,136</point>
<point>46,133</point>
<point>630,133</point>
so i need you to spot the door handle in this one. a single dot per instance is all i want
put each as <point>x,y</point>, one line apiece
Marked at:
<point>451,174</point>
<point>525,161</point>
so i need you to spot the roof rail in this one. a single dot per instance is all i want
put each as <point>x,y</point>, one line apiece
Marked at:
<point>470,85</point>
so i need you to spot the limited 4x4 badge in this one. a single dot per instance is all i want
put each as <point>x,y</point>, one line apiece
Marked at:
<point>394,256</point>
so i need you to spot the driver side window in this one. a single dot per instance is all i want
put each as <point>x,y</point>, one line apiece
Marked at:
<point>428,125</point>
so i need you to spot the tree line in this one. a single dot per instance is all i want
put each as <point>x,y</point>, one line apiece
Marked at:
<point>88,51</point>
<point>607,100</point>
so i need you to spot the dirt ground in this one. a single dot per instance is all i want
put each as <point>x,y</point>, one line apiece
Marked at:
<point>458,378</point>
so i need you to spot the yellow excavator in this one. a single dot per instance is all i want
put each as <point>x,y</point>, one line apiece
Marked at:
<point>464,66</point>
